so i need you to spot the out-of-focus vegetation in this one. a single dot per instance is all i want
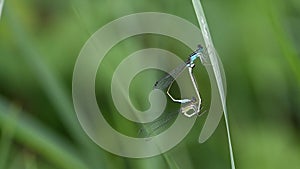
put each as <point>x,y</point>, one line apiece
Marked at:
<point>258,42</point>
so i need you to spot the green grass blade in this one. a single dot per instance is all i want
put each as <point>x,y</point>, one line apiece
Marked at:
<point>8,130</point>
<point>1,7</point>
<point>289,51</point>
<point>54,89</point>
<point>216,69</point>
<point>37,137</point>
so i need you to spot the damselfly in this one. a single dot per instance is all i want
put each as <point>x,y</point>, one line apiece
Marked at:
<point>168,80</point>
<point>190,106</point>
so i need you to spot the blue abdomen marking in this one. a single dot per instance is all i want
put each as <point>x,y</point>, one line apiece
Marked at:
<point>194,57</point>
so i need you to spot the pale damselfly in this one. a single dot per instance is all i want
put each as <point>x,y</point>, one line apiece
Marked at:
<point>190,107</point>
<point>167,81</point>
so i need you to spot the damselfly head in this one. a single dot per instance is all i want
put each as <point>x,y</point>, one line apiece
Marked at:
<point>155,85</point>
<point>200,47</point>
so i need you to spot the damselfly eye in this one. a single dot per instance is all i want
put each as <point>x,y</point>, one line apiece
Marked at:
<point>194,100</point>
<point>200,46</point>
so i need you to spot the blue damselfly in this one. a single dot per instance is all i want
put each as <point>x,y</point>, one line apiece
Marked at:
<point>189,106</point>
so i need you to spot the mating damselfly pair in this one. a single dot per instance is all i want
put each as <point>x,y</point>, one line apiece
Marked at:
<point>189,106</point>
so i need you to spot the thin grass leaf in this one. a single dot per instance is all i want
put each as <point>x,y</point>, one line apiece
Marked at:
<point>289,50</point>
<point>216,68</point>
<point>54,90</point>
<point>1,7</point>
<point>40,139</point>
<point>48,81</point>
<point>171,162</point>
<point>182,157</point>
<point>8,130</point>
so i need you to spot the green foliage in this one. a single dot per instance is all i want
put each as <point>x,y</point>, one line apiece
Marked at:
<point>256,40</point>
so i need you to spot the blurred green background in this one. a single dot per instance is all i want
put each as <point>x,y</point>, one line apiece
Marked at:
<point>258,42</point>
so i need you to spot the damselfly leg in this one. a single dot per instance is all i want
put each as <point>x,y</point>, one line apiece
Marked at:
<point>167,82</point>
<point>189,106</point>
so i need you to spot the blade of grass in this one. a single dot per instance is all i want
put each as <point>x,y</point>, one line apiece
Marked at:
<point>34,135</point>
<point>1,7</point>
<point>182,157</point>
<point>109,68</point>
<point>288,49</point>
<point>7,137</point>
<point>48,81</point>
<point>215,65</point>
<point>170,161</point>
<point>54,90</point>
